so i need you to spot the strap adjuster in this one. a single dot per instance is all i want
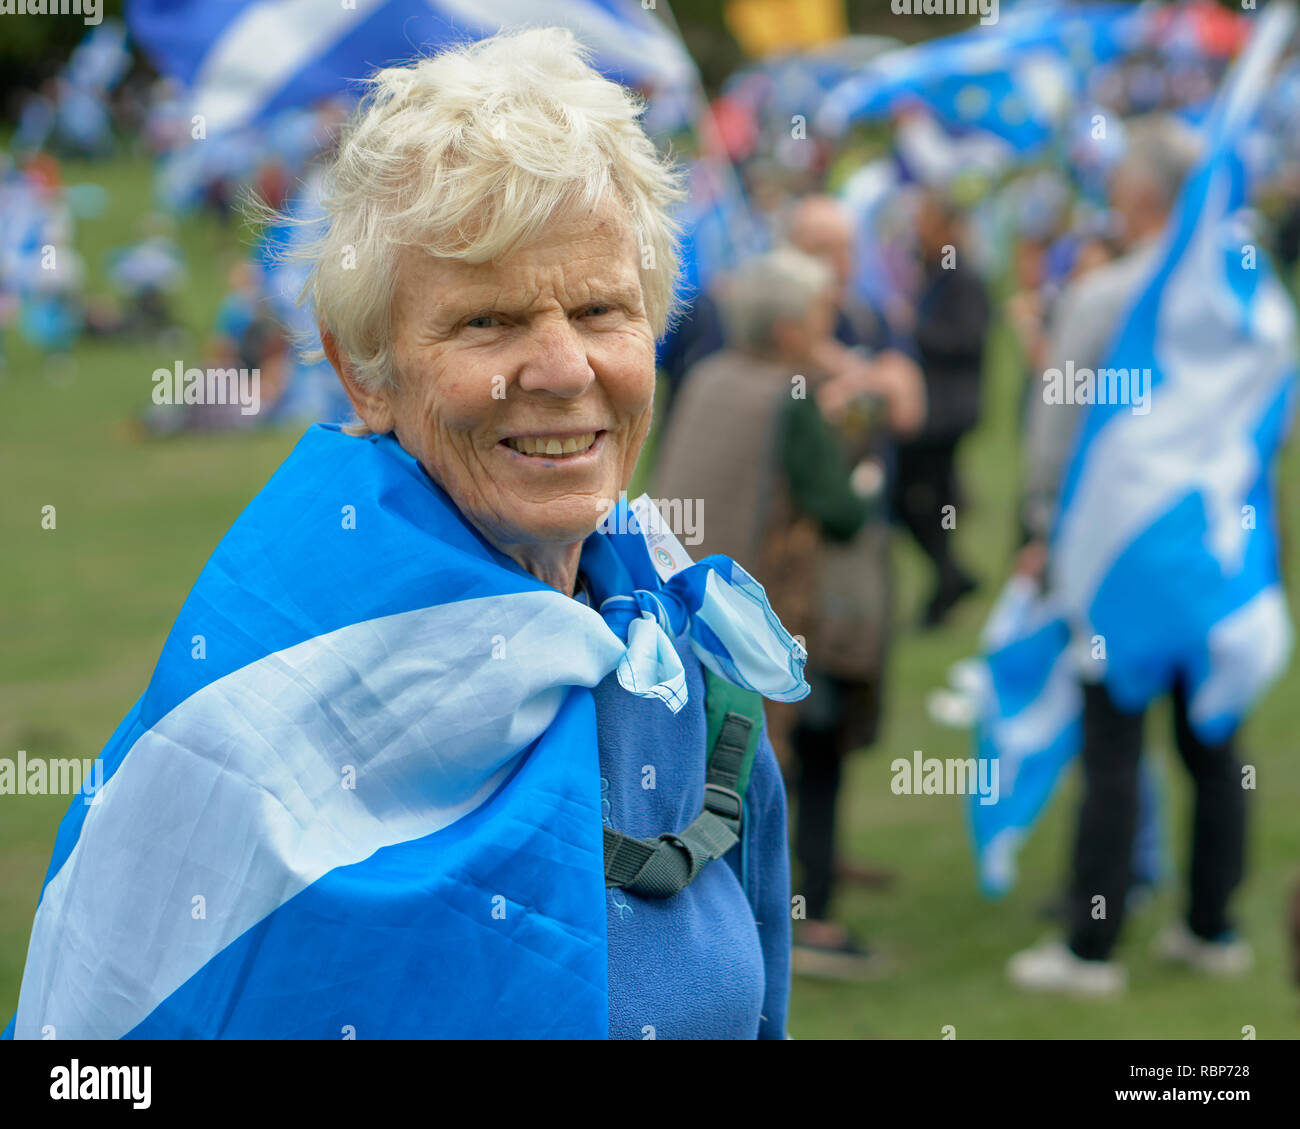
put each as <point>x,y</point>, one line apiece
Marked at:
<point>724,802</point>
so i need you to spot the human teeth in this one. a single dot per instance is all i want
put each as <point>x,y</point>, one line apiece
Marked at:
<point>552,447</point>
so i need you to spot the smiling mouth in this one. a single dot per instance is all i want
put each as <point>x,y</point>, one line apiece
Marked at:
<point>553,446</point>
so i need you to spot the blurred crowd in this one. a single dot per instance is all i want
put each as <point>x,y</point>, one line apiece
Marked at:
<point>821,391</point>
<point>102,104</point>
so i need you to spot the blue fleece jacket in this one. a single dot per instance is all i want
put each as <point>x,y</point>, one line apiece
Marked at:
<point>712,962</point>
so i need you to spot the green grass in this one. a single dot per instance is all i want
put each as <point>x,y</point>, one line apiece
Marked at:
<point>87,605</point>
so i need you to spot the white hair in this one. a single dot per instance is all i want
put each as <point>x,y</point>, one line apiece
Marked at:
<point>1161,149</point>
<point>469,154</point>
<point>782,284</point>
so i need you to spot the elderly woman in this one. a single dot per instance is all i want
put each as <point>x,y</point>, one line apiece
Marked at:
<point>448,739</point>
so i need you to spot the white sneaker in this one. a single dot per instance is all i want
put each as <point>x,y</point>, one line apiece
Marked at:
<point>1050,966</point>
<point>1179,944</point>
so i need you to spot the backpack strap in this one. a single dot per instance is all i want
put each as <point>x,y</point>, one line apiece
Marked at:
<point>661,867</point>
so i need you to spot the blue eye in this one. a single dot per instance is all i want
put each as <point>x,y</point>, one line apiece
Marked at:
<point>598,310</point>
<point>480,318</point>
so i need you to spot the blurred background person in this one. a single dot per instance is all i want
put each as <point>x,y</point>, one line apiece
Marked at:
<point>1086,316</point>
<point>752,444</point>
<point>874,394</point>
<point>1089,316</point>
<point>951,326</point>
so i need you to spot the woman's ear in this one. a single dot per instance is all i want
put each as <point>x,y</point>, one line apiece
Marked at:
<point>371,406</point>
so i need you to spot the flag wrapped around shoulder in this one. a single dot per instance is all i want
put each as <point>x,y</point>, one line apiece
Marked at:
<point>1165,551</point>
<point>361,791</point>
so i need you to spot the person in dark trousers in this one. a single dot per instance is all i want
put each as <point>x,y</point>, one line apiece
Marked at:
<point>1109,815</point>
<point>855,593</point>
<point>1142,192</point>
<point>952,322</point>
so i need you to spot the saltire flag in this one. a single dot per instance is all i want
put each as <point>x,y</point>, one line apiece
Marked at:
<point>929,154</point>
<point>1173,591</point>
<point>1014,79</point>
<point>100,60</point>
<point>1165,546</point>
<point>1028,720</point>
<point>246,60</point>
<point>361,793</point>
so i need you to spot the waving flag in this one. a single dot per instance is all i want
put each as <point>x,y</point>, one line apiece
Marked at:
<point>361,792</point>
<point>1014,79</point>
<point>1166,544</point>
<point>1166,541</point>
<point>101,60</point>
<point>245,60</point>
<point>778,87</point>
<point>1028,721</point>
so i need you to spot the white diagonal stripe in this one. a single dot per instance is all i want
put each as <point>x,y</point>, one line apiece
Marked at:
<point>262,49</point>
<point>237,794</point>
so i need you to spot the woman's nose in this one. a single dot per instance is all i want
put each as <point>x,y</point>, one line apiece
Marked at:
<point>556,360</point>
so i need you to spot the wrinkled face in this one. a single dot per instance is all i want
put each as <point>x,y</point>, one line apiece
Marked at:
<point>525,387</point>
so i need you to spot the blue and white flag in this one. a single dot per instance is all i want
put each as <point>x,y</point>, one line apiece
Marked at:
<point>1166,543</point>
<point>361,793</point>
<point>247,60</point>
<point>1028,721</point>
<point>1015,79</point>
<point>101,60</point>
